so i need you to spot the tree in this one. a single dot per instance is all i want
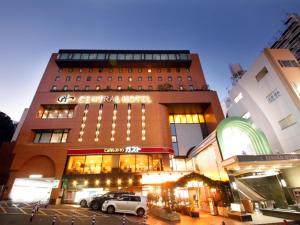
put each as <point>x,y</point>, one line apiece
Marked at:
<point>7,128</point>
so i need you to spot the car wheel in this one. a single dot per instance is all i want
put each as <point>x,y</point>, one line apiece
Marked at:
<point>110,209</point>
<point>95,206</point>
<point>140,212</point>
<point>83,203</point>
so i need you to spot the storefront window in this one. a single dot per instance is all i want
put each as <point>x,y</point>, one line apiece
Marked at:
<point>93,164</point>
<point>141,163</point>
<point>127,163</point>
<point>157,163</point>
<point>76,165</point>
<point>106,164</point>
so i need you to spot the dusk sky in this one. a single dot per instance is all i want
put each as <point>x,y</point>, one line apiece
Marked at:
<point>220,31</point>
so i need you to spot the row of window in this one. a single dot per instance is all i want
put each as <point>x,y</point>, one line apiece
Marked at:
<point>129,70</point>
<point>288,63</point>
<point>51,136</point>
<point>186,118</point>
<point>120,78</point>
<point>95,164</point>
<point>123,56</point>
<point>119,87</point>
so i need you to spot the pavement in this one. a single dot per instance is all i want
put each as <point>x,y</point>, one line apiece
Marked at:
<point>20,214</point>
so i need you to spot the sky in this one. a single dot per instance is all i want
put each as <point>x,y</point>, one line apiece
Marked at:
<point>220,31</point>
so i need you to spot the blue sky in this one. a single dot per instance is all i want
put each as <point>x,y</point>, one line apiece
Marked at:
<point>220,31</point>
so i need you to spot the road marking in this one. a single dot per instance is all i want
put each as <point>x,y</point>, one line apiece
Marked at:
<point>76,212</point>
<point>4,210</point>
<point>42,212</point>
<point>55,210</point>
<point>21,210</point>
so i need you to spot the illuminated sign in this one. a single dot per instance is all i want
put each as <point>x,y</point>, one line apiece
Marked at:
<point>86,99</point>
<point>128,149</point>
<point>55,184</point>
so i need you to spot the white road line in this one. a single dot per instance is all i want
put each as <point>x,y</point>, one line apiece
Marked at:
<point>76,212</point>
<point>42,212</point>
<point>55,210</point>
<point>21,210</point>
<point>4,210</point>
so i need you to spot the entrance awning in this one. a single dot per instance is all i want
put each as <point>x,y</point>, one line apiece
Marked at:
<point>241,164</point>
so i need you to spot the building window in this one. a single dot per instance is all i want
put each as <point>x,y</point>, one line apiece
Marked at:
<point>76,88</point>
<point>149,78</point>
<point>273,96</point>
<point>179,78</point>
<point>100,70</point>
<point>60,70</point>
<point>140,78</point>
<point>89,78</point>
<point>70,70</point>
<point>127,163</point>
<point>57,78</point>
<point>119,78</point>
<point>92,164</point>
<point>65,88</point>
<point>90,70</point>
<point>68,78</point>
<point>119,88</point>
<point>106,164</point>
<point>80,70</point>
<point>181,87</point>
<point>54,88</point>
<point>130,79</point>
<point>174,138</point>
<point>78,78</point>
<point>129,70</point>
<point>140,87</point>
<point>288,63</point>
<point>111,69</point>
<point>159,70</point>
<point>149,70</point>
<point>287,122</point>
<point>142,164</point>
<point>54,112</point>
<point>169,78</point>
<point>261,74</point>
<point>169,70</point>
<point>238,97</point>
<point>159,78</point>
<point>186,118</point>
<point>109,78</point>
<point>120,69</point>
<point>51,136</point>
<point>99,78</point>
<point>150,87</point>
<point>140,70</point>
<point>178,70</point>
<point>189,78</point>
<point>247,115</point>
<point>97,87</point>
<point>187,70</point>
<point>191,88</point>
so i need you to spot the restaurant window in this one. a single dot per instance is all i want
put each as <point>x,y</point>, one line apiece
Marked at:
<point>127,163</point>
<point>57,78</point>
<point>78,78</point>
<point>51,136</point>
<point>141,163</point>
<point>92,164</point>
<point>156,162</point>
<point>76,165</point>
<point>186,118</point>
<point>106,164</point>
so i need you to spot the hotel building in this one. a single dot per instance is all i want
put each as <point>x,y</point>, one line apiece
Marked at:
<point>111,120</point>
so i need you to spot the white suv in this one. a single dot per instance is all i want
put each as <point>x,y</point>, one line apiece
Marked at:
<point>133,204</point>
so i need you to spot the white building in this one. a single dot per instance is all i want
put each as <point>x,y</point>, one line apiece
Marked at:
<point>268,94</point>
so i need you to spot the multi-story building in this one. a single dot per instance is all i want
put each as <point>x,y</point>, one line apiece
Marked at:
<point>268,95</point>
<point>290,36</point>
<point>111,119</point>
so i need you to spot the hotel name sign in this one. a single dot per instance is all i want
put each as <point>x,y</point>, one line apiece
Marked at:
<point>117,99</point>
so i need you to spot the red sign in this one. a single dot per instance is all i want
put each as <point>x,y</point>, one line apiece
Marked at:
<point>109,151</point>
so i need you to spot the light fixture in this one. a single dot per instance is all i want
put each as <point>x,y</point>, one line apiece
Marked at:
<point>128,131</point>
<point>149,70</point>
<point>35,176</point>
<point>113,131</point>
<point>98,125</point>
<point>81,133</point>
<point>112,139</point>
<point>85,111</point>
<point>143,138</point>
<point>82,125</point>
<point>74,183</point>
<point>97,182</point>
<point>128,139</point>
<point>96,139</point>
<point>86,182</point>
<point>108,181</point>
<point>143,132</point>
<point>84,118</point>
<point>119,181</point>
<point>130,181</point>
<point>80,139</point>
<point>128,125</point>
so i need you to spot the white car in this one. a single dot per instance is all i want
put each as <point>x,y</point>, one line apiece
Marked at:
<point>84,202</point>
<point>132,204</point>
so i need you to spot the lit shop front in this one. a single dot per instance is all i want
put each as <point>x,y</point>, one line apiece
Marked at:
<point>108,169</point>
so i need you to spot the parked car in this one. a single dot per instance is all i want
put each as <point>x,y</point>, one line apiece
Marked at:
<point>84,202</point>
<point>97,202</point>
<point>132,204</point>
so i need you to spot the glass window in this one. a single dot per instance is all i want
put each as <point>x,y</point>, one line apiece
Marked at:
<point>45,137</point>
<point>129,70</point>
<point>140,78</point>
<point>65,88</point>
<point>111,69</point>
<point>78,78</point>
<point>84,56</point>
<point>175,148</point>
<point>64,137</point>
<point>171,119</point>
<point>169,78</point>
<point>106,164</point>
<point>140,70</point>
<point>173,129</point>
<point>109,78</point>
<point>100,56</point>
<point>189,78</point>
<point>119,78</point>
<point>56,137</point>
<point>141,163</point>
<point>76,88</point>
<point>191,87</point>
<point>182,119</point>
<point>92,164</point>
<point>90,70</point>
<point>93,56</point>
<point>99,78</point>
<point>195,118</point>
<point>140,87</point>
<point>137,56</point>
<point>127,163</point>
<point>121,56</point>
<point>201,118</point>
<point>159,78</point>
<point>149,78</point>
<point>57,78</point>
<point>129,56</point>
<point>164,56</point>
<point>89,78</point>
<point>181,87</point>
<point>189,118</point>
<point>54,88</point>
<point>129,78</point>
<point>112,56</point>
<point>148,56</point>
<point>120,69</point>
<point>177,118</point>
<point>119,87</point>
<point>76,165</point>
<point>97,87</point>
<point>150,87</point>
<point>37,138</point>
<point>156,56</point>
<point>53,114</point>
<point>179,78</point>
<point>157,163</point>
<point>174,138</point>
<point>87,88</point>
<point>172,56</point>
